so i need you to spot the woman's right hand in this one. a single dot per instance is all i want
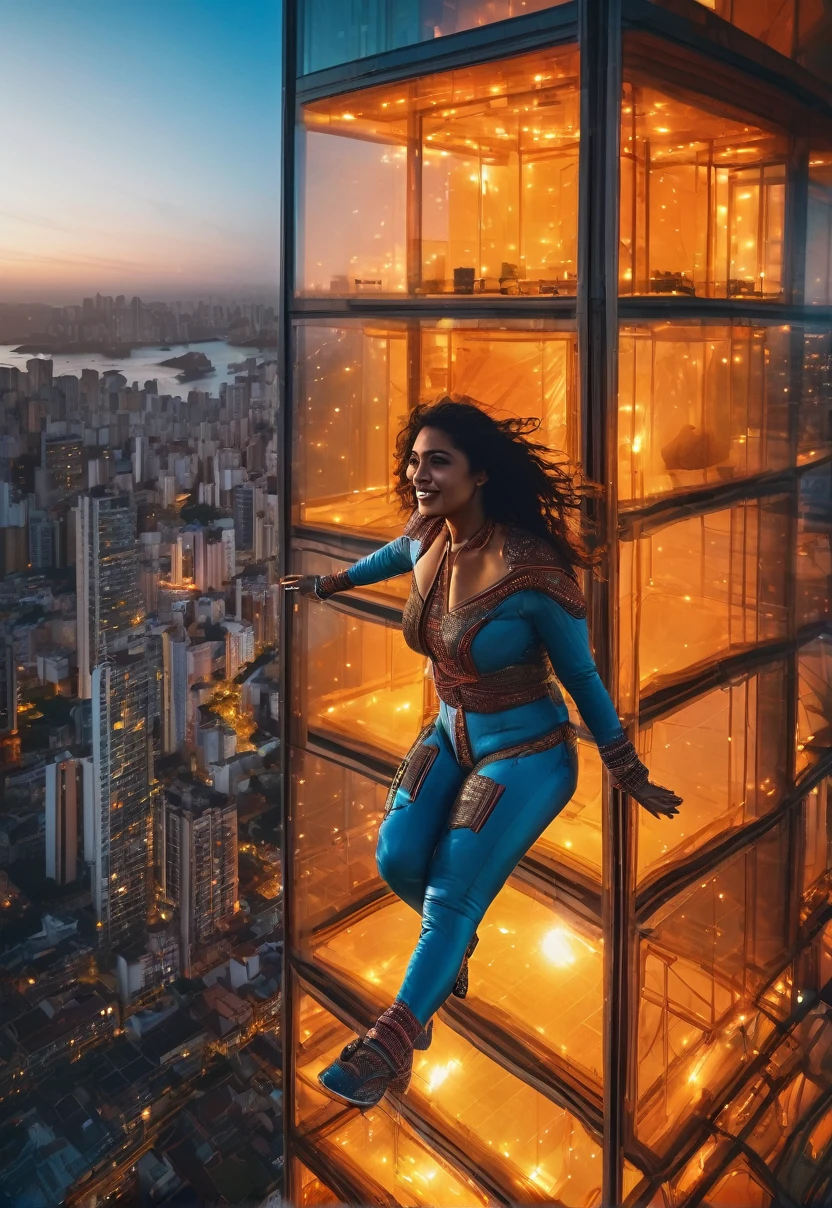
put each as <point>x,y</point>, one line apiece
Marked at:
<point>303,584</point>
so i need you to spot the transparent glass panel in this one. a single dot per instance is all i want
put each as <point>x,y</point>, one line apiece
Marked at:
<point>520,369</point>
<point>814,701</point>
<point>702,200</point>
<point>726,755</point>
<point>536,966</point>
<point>530,1142</point>
<point>462,183</point>
<point>819,231</point>
<point>799,29</point>
<point>376,1149</point>
<point>739,1188</point>
<point>351,384</point>
<point>311,1191</point>
<point>352,397</point>
<point>700,587</point>
<point>815,412</point>
<point>357,683</point>
<point>770,21</point>
<point>705,959</point>
<point>336,817</point>
<point>817,835</point>
<point>338,31</point>
<point>700,404</point>
<point>814,545</point>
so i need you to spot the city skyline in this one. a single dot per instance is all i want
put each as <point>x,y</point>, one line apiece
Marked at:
<point>146,196</point>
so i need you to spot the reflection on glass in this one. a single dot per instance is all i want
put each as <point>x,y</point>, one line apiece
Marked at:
<point>815,411</point>
<point>700,404</point>
<point>799,29</point>
<point>814,545</point>
<point>700,587</point>
<point>519,370</point>
<point>814,701</point>
<point>352,395</point>
<point>575,835</point>
<point>534,1144</point>
<point>817,835</point>
<point>312,1192</point>
<point>337,813</point>
<point>462,183</point>
<point>702,201</point>
<point>725,755</point>
<point>338,31</point>
<point>554,993</point>
<point>740,1188</point>
<point>359,684</point>
<point>376,1148</point>
<point>705,959</point>
<point>819,231</point>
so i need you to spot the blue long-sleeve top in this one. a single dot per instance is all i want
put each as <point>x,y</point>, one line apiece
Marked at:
<point>518,620</point>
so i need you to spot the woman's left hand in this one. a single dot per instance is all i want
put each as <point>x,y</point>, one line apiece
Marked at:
<point>660,802</point>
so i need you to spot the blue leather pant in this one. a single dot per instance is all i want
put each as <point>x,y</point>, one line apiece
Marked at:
<point>451,838</point>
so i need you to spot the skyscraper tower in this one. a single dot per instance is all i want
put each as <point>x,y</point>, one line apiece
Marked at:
<point>200,872</point>
<point>113,673</point>
<point>120,799</point>
<point>109,602</point>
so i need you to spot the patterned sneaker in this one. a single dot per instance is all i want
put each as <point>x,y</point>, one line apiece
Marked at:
<point>460,989</point>
<point>366,1069</point>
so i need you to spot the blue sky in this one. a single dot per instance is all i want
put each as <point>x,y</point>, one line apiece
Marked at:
<point>140,148</point>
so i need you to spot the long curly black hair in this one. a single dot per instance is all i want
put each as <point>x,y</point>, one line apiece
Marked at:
<point>528,485</point>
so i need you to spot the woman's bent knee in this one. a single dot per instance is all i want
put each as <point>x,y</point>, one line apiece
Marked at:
<point>400,865</point>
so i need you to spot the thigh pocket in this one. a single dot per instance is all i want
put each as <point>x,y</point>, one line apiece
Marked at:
<point>475,803</point>
<point>412,771</point>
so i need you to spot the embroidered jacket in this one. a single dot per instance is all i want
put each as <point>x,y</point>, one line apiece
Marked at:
<point>507,645</point>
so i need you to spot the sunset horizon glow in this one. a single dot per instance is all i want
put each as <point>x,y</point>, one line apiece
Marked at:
<point>143,154</point>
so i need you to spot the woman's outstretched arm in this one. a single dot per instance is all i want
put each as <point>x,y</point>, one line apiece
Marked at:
<point>395,558</point>
<point>566,638</point>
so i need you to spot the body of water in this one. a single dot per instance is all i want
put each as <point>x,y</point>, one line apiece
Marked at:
<point>143,364</point>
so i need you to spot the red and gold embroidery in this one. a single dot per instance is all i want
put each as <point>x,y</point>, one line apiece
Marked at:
<point>403,767</point>
<point>475,803</point>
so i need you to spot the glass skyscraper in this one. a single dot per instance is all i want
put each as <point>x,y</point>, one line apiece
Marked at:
<point>615,216</point>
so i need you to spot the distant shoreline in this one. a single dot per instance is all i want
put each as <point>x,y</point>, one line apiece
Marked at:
<point>116,352</point>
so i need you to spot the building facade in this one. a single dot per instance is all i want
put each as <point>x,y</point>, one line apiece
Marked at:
<point>201,876</point>
<point>614,216</point>
<point>109,604</point>
<point>118,803</point>
<point>64,808</point>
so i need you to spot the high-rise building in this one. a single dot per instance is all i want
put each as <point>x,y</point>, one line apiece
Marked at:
<point>201,875</point>
<point>8,681</point>
<point>213,553</point>
<point>41,540</point>
<point>613,217</point>
<point>109,601</point>
<point>244,513</point>
<point>64,817</point>
<point>119,800</point>
<point>40,374</point>
<point>63,461</point>
<point>69,386</point>
<point>174,688</point>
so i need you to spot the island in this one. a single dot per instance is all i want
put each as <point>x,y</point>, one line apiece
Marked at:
<point>44,345</point>
<point>192,366</point>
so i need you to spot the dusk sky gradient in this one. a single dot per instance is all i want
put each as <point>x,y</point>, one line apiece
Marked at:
<point>141,147</point>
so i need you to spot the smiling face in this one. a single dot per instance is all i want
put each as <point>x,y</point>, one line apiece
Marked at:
<point>441,475</point>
